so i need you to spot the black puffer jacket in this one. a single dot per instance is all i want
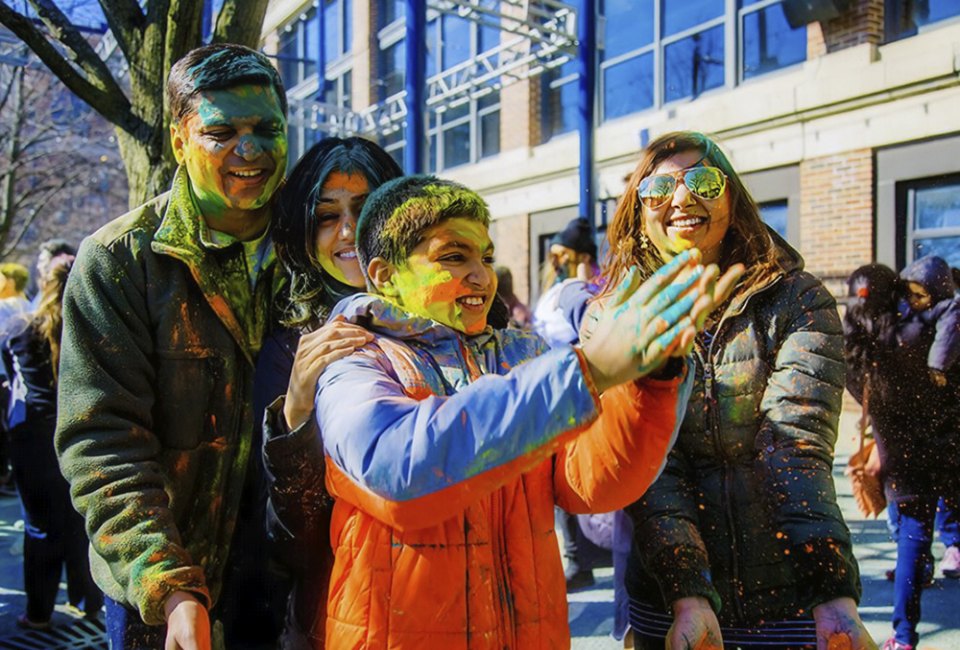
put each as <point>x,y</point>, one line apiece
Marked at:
<point>745,513</point>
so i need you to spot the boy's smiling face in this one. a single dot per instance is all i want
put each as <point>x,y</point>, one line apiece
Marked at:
<point>448,277</point>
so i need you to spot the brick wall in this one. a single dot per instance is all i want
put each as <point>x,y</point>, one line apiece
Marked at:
<point>836,215</point>
<point>511,236</point>
<point>861,23</point>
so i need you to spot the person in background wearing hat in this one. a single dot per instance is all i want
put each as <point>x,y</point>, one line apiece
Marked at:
<point>566,286</point>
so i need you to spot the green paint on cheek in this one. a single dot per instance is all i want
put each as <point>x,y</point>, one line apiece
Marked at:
<point>427,291</point>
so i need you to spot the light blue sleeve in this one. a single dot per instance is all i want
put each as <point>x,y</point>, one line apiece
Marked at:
<point>401,448</point>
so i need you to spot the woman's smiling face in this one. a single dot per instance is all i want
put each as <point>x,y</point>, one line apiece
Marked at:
<point>687,221</point>
<point>338,206</point>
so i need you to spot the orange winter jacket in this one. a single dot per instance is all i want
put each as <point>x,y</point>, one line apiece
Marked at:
<point>446,455</point>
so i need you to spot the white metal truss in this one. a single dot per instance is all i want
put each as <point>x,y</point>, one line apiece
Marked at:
<point>539,35</point>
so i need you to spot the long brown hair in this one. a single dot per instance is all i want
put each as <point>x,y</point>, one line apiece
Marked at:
<point>48,318</point>
<point>747,240</point>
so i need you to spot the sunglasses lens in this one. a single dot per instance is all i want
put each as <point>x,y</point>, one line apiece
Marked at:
<point>705,182</point>
<point>655,190</point>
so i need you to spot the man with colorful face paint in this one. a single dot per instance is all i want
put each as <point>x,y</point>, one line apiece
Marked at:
<point>459,439</point>
<point>163,319</point>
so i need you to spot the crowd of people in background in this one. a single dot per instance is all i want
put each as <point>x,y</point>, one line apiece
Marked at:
<point>312,414</point>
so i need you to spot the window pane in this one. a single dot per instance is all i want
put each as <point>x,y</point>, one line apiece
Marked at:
<point>331,30</point>
<point>693,65</point>
<point>456,40</point>
<point>463,110</point>
<point>289,59</point>
<point>311,34</point>
<point>392,69</point>
<point>347,26</point>
<point>433,46</point>
<point>456,145</point>
<point>774,214</point>
<point>679,15</point>
<point>628,26</point>
<point>937,207</point>
<point>769,43</point>
<point>946,247</point>
<point>432,160</point>
<point>490,134</point>
<point>628,87</point>
<point>559,110</point>
<point>389,11</point>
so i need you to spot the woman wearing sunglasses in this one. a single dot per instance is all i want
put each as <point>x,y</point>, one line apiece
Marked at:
<point>740,542</point>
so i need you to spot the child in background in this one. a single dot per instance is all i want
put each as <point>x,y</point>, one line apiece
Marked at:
<point>930,316</point>
<point>459,439</point>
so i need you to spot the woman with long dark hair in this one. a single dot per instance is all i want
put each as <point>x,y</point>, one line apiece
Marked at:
<point>740,542</point>
<point>54,535</point>
<point>313,230</point>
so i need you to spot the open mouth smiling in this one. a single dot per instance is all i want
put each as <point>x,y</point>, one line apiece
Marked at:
<point>346,254</point>
<point>472,302</point>
<point>687,222</point>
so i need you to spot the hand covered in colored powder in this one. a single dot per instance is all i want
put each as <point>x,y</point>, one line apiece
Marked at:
<point>315,351</point>
<point>839,626</point>
<point>695,626</point>
<point>188,624</point>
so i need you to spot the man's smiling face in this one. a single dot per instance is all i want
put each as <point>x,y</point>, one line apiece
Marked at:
<point>234,148</point>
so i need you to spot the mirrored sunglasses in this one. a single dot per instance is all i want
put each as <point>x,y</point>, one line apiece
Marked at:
<point>703,182</point>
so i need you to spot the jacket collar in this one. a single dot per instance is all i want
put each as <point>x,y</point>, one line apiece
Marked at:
<point>221,275</point>
<point>789,260</point>
<point>381,316</point>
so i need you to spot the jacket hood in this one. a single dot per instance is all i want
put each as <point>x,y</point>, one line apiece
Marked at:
<point>933,274</point>
<point>381,316</point>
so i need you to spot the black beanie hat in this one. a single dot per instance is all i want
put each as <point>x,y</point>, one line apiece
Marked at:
<point>578,236</point>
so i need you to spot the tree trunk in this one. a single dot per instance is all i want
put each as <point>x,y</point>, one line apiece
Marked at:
<point>148,171</point>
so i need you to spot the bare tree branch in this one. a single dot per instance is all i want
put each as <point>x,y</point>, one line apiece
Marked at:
<point>240,22</point>
<point>35,212</point>
<point>113,106</point>
<point>79,49</point>
<point>126,21</point>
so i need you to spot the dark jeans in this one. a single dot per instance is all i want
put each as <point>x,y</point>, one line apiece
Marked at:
<point>915,519</point>
<point>54,535</point>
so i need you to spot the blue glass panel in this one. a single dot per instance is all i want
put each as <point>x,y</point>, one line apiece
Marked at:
<point>393,69</point>
<point>679,15</point>
<point>490,134</point>
<point>456,145</point>
<point>347,26</point>
<point>559,111</point>
<point>628,87</point>
<point>629,25</point>
<point>774,214</point>
<point>937,207</point>
<point>946,247</point>
<point>332,31</point>
<point>288,57</point>
<point>936,10</point>
<point>769,43</point>
<point>311,37</point>
<point>433,46</point>
<point>693,65</point>
<point>456,40</point>
<point>432,160</point>
<point>389,11</point>
<point>747,3</point>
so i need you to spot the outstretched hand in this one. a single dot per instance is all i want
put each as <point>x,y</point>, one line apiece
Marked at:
<point>315,351</point>
<point>636,329</point>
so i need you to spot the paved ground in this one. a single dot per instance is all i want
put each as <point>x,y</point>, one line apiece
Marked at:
<point>590,610</point>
